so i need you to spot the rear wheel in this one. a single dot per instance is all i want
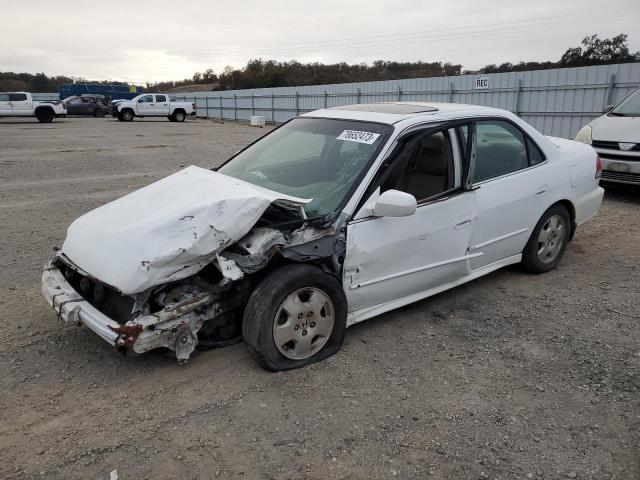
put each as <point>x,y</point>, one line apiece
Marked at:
<point>98,113</point>
<point>548,240</point>
<point>295,317</point>
<point>44,115</point>
<point>179,116</point>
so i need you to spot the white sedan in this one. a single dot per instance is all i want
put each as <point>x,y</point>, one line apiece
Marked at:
<point>333,218</point>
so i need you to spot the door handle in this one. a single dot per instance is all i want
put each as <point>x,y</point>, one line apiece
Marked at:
<point>541,191</point>
<point>464,223</point>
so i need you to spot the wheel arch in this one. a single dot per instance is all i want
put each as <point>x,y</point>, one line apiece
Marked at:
<point>572,214</point>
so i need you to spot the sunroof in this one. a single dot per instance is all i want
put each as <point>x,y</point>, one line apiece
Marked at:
<point>397,108</point>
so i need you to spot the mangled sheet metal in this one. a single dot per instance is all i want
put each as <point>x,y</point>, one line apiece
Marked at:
<point>168,230</point>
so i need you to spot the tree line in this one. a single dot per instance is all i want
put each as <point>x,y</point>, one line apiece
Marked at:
<point>258,73</point>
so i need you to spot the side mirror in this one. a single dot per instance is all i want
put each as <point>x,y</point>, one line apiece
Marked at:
<point>608,108</point>
<point>394,203</point>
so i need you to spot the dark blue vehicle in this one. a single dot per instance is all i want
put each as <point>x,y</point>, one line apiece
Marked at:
<point>110,92</point>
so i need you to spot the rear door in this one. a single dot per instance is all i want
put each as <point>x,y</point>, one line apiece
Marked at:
<point>512,182</point>
<point>5,106</point>
<point>20,104</point>
<point>162,105</point>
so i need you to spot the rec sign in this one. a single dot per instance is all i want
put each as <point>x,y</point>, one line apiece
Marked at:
<point>482,82</point>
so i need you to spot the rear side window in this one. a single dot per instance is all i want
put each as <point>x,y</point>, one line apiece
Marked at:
<point>535,155</point>
<point>161,98</point>
<point>501,149</point>
<point>17,97</point>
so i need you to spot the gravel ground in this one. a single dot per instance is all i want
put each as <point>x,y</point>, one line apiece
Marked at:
<point>509,376</point>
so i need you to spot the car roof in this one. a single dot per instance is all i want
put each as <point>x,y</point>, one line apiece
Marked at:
<point>394,112</point>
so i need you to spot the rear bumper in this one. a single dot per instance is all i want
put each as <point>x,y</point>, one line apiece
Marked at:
<point>588,204</point>
<point>70,307</point>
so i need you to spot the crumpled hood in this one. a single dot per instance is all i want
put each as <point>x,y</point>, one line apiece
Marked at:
<point>616,129</point>
<point>168,230</point>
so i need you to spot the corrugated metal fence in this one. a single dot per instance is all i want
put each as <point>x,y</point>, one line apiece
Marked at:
<point>557,102</point>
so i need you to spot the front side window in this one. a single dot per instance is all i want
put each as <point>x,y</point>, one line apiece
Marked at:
<point>320,159</point>
<point>500,149</point>
<point>146,99</point>
<point>629,107</point>
<point>424,167</point>
<point>4,97</point>
<point>17,97</point>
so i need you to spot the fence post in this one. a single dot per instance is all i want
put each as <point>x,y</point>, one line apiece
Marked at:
<point>399,93</point>
<point>273,109</point>
<point>516,107</point>
<point>253,107</point>
<point>608,96</point>
<point>358,96</point>
<point>297,103</point>
<point>235,107</point>
<point>221,115</point>
<point>206,106</point>
<point>451,92</point>
<point>325,99</point>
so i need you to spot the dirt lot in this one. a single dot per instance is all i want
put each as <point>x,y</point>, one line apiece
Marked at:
<point>510,376</point>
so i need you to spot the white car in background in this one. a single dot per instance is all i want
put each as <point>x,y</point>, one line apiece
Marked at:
<point>22,104</point>
<point>335,217</point>
<point>616,137</point>
<point>153,105</point>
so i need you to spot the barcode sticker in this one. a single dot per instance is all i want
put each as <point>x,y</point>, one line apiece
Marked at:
<point>358,136</point>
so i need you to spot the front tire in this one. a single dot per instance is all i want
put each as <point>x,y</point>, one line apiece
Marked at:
<point>127,116</point>
<point>44,115</point>
<point>548,240</point>
<point>295,317</point>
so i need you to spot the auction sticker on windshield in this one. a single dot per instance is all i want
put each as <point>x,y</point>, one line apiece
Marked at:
<point>358,136</point>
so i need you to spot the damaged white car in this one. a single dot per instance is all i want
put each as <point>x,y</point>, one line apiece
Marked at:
<point>335,217</point>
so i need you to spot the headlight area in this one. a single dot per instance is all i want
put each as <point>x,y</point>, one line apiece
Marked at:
<point>584,135</point>
<point>175,316</point>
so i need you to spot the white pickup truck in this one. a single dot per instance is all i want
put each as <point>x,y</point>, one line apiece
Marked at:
<point>21,104</point>
<point>153,105</point>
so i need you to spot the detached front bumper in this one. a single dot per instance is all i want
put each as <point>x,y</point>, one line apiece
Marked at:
<point>175,327</point>
<point>70,307</point>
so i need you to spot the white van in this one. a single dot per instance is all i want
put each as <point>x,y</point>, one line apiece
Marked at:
<point>616,137</point>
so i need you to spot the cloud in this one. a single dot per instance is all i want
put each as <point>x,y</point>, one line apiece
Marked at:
<point>161,40</point>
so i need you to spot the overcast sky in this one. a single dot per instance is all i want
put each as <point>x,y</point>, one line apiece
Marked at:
<point>140,40</point>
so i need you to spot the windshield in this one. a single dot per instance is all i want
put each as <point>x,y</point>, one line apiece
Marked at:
<point>630,106</point>
<point>314,158</point>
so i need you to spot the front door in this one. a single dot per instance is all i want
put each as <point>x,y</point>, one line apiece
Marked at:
<point>403,259</point>
<point>146,106</point>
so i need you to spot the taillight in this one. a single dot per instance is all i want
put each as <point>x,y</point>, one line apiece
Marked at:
<point>598,167</point>
<point>195,107</point>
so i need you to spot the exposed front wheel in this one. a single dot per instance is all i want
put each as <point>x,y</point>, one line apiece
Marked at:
<point>548,240</point>
<point>295,317</point>
<point>127,116</point>
<point>44,115</point>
